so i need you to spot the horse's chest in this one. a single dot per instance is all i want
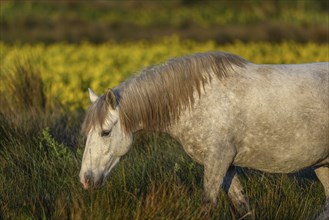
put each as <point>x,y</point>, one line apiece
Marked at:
<point>195,153</point>
<point>190,147</point>
<point>191,138</point>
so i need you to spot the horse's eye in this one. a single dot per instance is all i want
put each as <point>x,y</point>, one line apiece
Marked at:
<point>105,133</point>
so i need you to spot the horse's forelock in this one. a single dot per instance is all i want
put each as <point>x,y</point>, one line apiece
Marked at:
<point>96,115</point>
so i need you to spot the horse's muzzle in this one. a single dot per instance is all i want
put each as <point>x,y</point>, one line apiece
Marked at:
<point>89,180</point>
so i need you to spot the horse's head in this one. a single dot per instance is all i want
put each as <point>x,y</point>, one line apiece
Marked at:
<point>106,141</point>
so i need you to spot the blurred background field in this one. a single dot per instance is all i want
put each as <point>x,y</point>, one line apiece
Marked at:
<point>52,51</point>
<point>67,70</point>
<point>221,21</point>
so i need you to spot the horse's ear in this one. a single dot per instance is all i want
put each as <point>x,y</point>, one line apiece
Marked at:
<point>110,98</point>
<point>92,96</point>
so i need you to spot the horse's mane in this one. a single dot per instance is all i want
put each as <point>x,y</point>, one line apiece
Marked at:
<point>159,93</point>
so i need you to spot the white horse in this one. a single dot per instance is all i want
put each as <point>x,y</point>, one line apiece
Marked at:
<point>225,112</point>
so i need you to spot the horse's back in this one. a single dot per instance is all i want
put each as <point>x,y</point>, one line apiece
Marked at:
<point>284,117</point>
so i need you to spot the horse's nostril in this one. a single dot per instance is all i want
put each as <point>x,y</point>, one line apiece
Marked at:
<point>89,178</point>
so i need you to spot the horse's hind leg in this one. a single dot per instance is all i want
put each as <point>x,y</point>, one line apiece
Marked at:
<point>236,193</point>
<point>323,175</point>
<point>325,214</point>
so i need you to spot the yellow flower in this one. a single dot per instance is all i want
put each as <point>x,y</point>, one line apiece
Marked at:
<point>68,70</point>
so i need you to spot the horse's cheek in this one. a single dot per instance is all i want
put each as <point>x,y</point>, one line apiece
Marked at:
<point>123,146</point>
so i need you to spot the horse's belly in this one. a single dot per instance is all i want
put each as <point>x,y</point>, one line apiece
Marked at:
<point>283,158</point>
<point>285,143</point>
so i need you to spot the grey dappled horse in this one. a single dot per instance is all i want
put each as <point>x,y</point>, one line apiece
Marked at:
<point>225,112</point>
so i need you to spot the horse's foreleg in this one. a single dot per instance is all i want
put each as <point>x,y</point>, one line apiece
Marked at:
<point>216,164</point>
<point>235,191</point>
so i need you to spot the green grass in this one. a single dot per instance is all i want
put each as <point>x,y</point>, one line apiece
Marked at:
<point>39,179</point>
<point>40,161</point>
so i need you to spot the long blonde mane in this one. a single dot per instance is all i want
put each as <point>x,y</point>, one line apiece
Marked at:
<point>159,93</point>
